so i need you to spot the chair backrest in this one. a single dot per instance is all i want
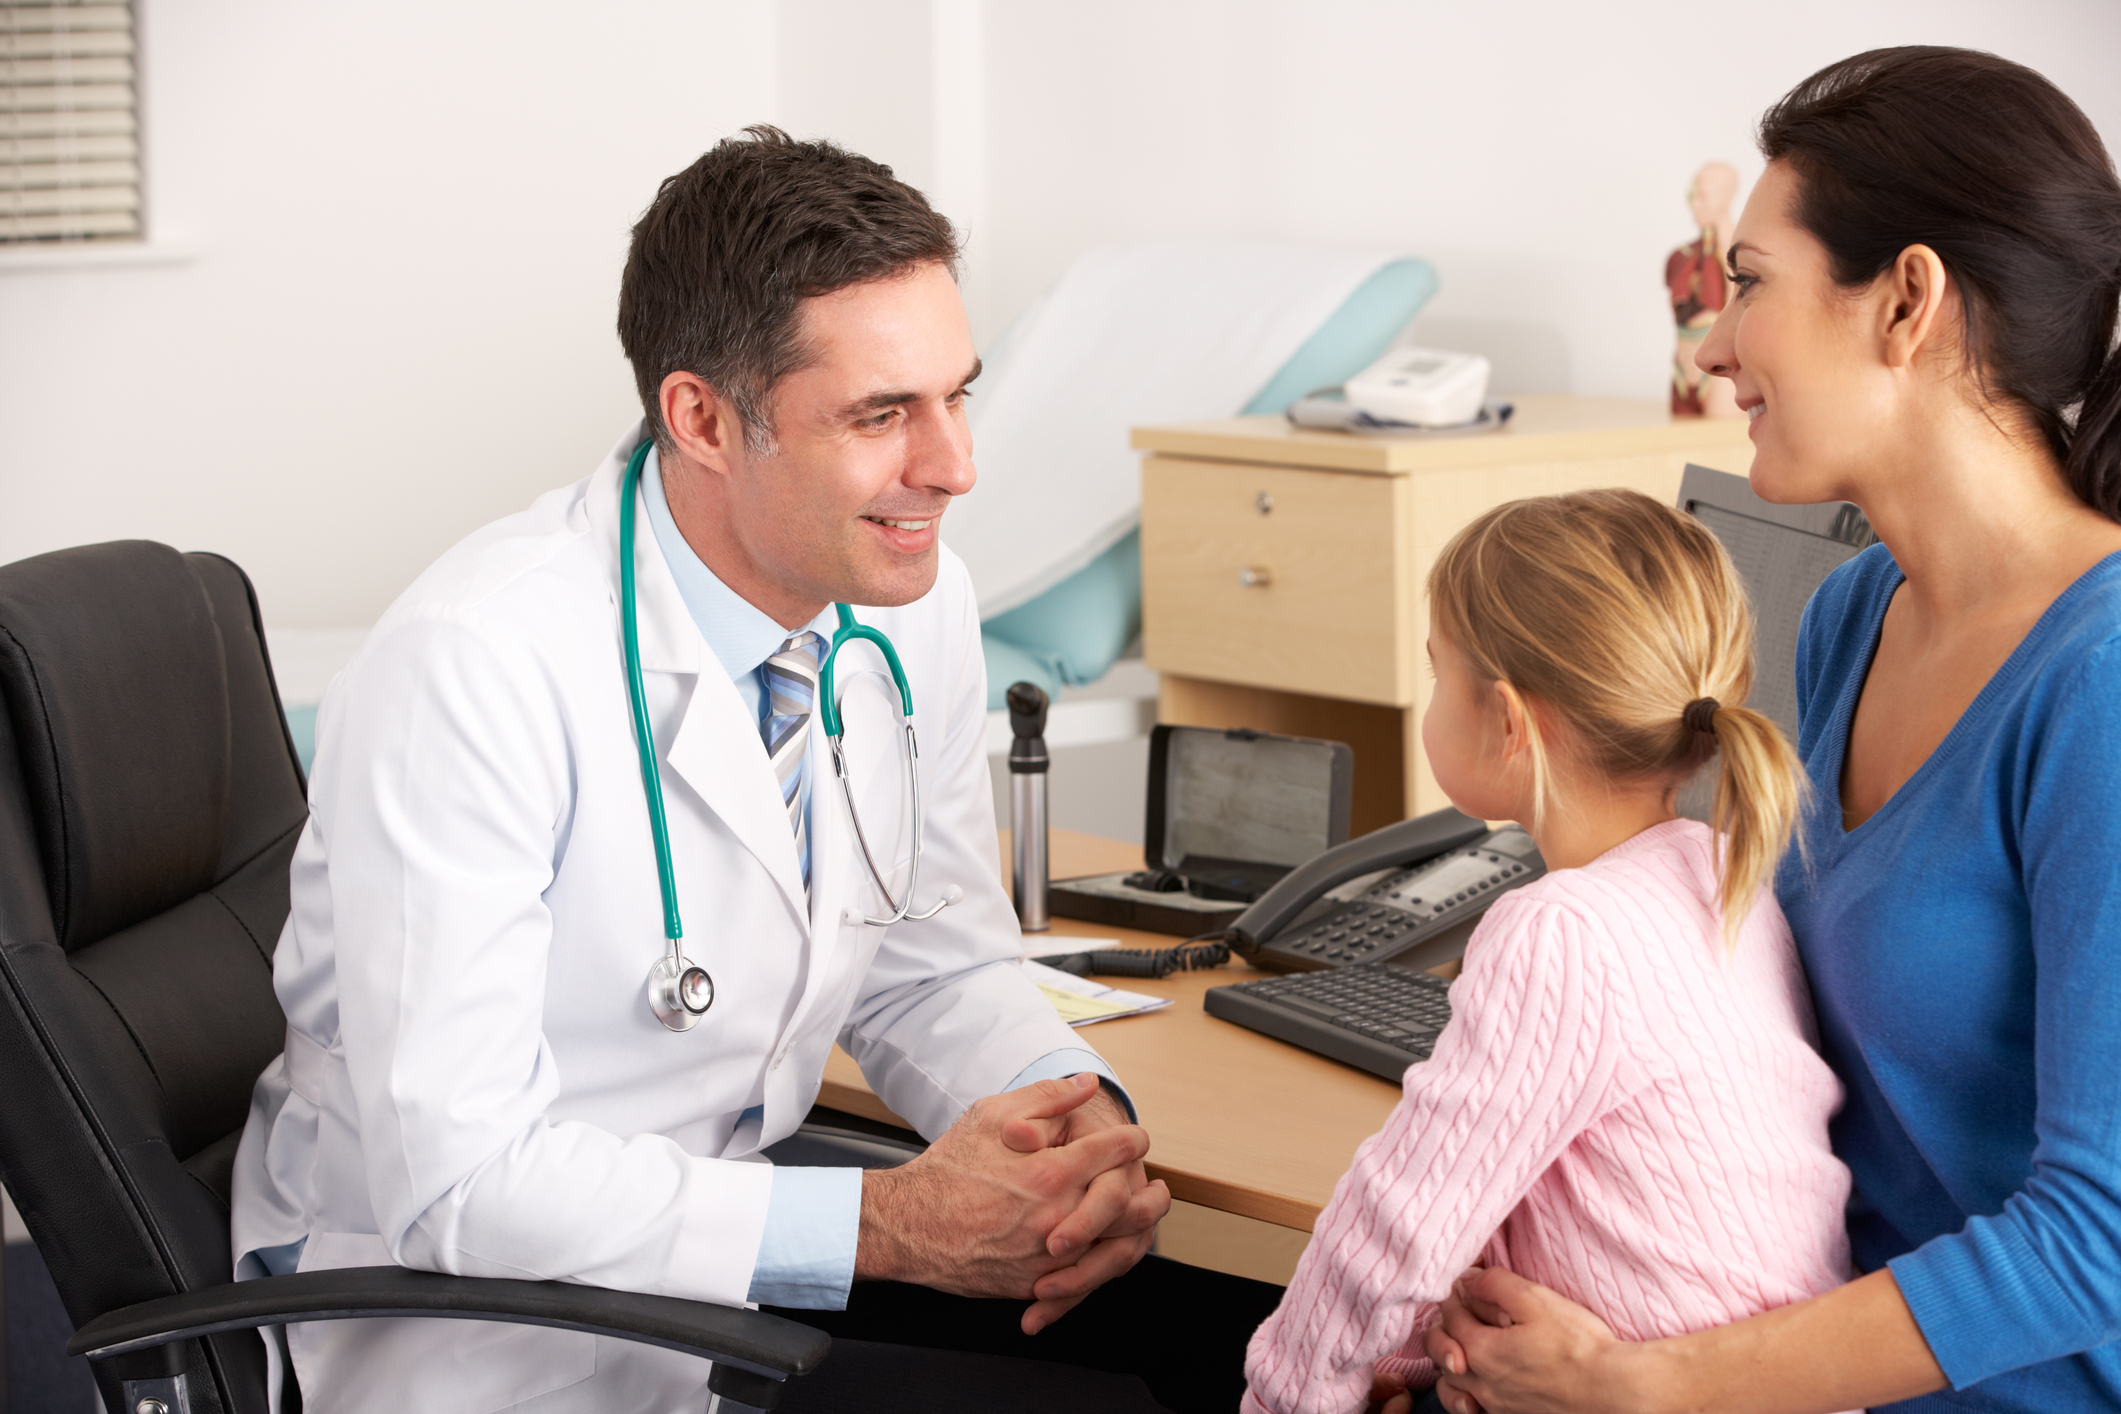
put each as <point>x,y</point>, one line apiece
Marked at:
<point>150,801</point>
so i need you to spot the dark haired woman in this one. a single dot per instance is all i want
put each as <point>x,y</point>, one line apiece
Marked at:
<point>1927,281</point>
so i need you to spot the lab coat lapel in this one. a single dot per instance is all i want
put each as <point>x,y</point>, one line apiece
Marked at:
<point>720,754</point>
<point>831,865</point>
<point>716,748</point>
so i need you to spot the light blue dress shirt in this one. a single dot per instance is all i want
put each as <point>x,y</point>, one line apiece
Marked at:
<point>813,1215</point>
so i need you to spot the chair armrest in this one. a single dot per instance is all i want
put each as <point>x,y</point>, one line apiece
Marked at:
<point>766,1345</point>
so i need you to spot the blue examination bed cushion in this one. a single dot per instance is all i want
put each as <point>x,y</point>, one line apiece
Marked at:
<point>1072,633</point>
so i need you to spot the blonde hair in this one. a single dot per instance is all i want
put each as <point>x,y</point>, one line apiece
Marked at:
<point>1626,619</point>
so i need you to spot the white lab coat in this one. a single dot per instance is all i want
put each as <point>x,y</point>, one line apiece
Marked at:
<point>473,1081</point>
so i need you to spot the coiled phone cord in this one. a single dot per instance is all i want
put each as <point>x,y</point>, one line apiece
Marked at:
<point>1196,954</point>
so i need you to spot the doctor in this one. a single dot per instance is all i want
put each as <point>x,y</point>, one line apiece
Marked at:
<point>474,1080</point>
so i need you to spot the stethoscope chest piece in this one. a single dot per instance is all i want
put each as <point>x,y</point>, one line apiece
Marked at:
<point>679,993</point>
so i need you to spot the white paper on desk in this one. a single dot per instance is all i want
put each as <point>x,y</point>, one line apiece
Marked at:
<point>1082,1002</point>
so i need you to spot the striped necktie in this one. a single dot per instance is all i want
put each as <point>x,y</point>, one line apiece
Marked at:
<point>791,691</point>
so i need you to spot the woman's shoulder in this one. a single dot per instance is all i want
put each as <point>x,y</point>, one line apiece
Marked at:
<point>2064,681</point>
<point>2086,618</point>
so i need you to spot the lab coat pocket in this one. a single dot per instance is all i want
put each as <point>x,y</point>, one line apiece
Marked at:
<point>409,1366</point>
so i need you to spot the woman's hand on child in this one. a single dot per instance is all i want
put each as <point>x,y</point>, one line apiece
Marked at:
<point>1388,1394</point>
<point>1505,1345</point>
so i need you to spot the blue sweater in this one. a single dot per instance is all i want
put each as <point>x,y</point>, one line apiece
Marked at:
<point>1964,947</point>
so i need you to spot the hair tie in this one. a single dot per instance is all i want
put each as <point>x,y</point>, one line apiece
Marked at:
<point>1700,715</point>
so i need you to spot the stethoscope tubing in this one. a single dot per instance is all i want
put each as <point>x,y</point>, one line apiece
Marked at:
<point>847,631</point>
<point>899,910</point>
<point>637,693</point>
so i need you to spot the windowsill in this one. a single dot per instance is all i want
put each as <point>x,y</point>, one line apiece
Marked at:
<point>93,255</point>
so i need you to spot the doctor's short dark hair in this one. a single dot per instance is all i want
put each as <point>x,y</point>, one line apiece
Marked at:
<point>731,247</point>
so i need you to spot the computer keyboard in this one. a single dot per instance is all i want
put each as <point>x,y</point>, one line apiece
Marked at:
<point>1377,1018</point>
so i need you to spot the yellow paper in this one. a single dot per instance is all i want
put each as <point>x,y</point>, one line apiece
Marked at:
<point>1074,1007</point>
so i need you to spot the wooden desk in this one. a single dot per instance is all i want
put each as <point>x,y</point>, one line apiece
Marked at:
<point>1239,1122</point>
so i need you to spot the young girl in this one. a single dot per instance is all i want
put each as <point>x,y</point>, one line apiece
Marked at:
<point>1627,1105</point>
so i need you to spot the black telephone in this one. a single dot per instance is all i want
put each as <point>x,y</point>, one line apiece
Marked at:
<point>1439,874</point>
<point>1409,894</point>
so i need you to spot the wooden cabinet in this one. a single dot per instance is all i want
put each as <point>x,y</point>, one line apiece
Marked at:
<point>1277,576</point>
<point>1282,568</point>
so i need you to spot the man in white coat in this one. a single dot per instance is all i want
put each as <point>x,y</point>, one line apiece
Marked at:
<point>474,1081</point>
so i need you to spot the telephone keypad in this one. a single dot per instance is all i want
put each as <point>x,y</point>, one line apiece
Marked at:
<point>1392,912</point>
<point>1353,931</point>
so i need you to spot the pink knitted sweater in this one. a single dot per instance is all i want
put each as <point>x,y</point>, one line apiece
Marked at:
<point>1620,1110</point>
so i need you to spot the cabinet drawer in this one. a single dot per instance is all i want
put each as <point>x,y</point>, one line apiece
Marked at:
<point>1277,577</point>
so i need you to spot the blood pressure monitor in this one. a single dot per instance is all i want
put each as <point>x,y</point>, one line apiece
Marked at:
<point>1424,387</point>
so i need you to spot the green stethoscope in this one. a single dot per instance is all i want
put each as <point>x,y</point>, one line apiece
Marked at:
<point>679,992</point>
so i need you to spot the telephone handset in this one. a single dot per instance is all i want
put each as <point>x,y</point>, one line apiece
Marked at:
<point>1409,893</point>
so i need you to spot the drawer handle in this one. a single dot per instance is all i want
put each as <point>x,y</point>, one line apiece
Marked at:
<point>1255,576</point>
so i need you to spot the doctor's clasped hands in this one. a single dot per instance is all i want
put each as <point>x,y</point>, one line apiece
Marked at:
<point>1036,1193</point>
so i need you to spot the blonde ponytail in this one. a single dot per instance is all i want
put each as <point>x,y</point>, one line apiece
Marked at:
<point>1626,619</point>
<point>1759,795</point>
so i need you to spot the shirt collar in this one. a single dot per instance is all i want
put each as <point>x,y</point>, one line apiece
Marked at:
<point>741,634</point>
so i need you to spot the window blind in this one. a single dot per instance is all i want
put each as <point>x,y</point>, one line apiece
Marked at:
<point>69,135</point>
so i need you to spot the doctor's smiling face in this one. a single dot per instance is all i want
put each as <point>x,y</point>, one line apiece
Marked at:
<point>868,445</point>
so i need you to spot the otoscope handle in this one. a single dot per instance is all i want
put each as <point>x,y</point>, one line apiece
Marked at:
<point>1028,764</point>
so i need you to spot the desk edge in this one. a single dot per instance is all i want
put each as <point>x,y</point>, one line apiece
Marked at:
<point>1185,1187</point>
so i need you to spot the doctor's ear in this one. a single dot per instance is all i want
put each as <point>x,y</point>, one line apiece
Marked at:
<point>702,422</point>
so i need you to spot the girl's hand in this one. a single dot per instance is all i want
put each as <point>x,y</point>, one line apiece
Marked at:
<point>1510,1346</point>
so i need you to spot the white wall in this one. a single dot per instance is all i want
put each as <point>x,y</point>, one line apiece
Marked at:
<point>1537,151</point>
<point>408,220</point>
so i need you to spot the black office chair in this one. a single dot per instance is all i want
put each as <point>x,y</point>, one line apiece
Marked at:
<point>149,802</point>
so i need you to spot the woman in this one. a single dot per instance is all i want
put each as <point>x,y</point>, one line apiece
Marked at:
<point>1926,288</point>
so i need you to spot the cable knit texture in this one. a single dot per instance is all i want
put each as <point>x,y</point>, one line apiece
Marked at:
<point>1621,1109</point>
